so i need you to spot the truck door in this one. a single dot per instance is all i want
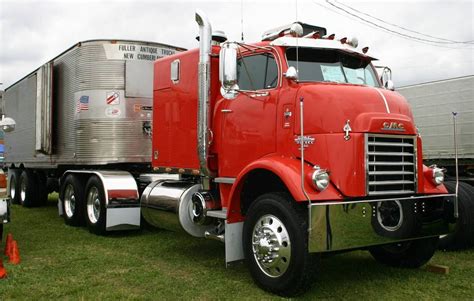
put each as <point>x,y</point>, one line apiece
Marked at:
<point>249,125</point>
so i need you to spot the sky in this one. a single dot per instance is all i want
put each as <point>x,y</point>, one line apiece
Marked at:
<point>34,32</point>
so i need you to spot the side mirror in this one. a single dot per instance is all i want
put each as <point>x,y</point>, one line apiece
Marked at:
<point>291,73</point>
<point>386,78</point>
<point>389,85</point>
<point>228,70</point>
<point>7,124</point>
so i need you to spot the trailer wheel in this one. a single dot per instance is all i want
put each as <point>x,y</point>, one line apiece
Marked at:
<point>14,185</point>
<point>28,192</point>
<point>411,254</point>
<point>72,199</point>
<point>463,235</point>
<point>275,244</point>
<point>95,206</point>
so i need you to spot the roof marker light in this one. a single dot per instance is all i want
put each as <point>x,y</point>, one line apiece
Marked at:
<point>331,36</point>
<point>343,40</point>
<point>365,49</point>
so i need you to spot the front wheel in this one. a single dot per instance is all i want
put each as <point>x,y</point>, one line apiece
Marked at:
<point>276,244</point>
<point>95,206</point>
<point>463,235</point>
<point>411,254</point>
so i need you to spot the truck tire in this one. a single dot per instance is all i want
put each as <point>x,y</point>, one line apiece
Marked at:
<point>411,254</point>
<point>28,189</point>
<point>95,209</point>
<point>14,184</point>
<point>72,200</point>
<point>275,226</point>
<point>463,235</point>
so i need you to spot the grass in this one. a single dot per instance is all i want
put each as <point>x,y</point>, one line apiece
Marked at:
<point>62,262</point>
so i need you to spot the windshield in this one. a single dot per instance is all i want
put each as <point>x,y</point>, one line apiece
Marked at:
<point>327,65</point>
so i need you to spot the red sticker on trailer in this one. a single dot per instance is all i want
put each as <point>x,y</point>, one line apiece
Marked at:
<point>112,98</point>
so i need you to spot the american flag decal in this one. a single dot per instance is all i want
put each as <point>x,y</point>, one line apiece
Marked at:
<point>83,104</point>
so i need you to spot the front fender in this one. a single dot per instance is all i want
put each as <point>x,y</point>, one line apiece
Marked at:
<point>289,172</point>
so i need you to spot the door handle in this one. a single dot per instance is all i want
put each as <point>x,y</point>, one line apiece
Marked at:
<point>226,111</point>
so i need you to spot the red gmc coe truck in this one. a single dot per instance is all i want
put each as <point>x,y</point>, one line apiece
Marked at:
<point>281,149</point>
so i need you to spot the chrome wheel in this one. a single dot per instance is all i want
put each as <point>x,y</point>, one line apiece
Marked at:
<point>69,201</point>
<point>93,205</point>
<point>271,246</point>
<point>13,187</point>
<point>22,191</point>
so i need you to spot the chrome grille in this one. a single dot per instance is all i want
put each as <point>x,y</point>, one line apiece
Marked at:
<point>390,164</point>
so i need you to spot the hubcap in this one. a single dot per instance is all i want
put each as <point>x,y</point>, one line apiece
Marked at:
<point>93,204</point>
<point>22,191</point>
<point>271,246</point>
<point>69,201</point>
<point>13,188</point>
<point>390,215</point>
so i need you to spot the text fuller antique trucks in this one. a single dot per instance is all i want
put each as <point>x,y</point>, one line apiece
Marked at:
<point>299,151</point>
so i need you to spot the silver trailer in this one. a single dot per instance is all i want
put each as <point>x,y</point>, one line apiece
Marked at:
<point>89,108</point>
<point>432,104</point>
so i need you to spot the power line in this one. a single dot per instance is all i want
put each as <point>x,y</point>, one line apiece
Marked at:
<point>402,35</point>
<point>404,28</point>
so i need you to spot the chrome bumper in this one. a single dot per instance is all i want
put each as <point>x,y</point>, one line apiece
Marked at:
<point>4,210</point>
<point>336,226</point>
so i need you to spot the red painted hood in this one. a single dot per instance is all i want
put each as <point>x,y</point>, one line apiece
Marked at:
<point>328,106</point>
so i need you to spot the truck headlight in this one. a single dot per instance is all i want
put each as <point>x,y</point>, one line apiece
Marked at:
<point>438,175</point>
<point>320,179</point>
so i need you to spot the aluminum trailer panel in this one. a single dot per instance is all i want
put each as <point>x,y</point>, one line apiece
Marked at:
<point>91,105</point>
<point>432,104</point>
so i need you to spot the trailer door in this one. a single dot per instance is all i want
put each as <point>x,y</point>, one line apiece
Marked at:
<point>44,108</point>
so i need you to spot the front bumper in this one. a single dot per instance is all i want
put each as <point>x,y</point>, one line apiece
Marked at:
<point>337,226</point>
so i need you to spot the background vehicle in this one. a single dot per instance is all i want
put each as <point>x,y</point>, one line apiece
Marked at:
<point>432,104</point>
<point>275,162</point>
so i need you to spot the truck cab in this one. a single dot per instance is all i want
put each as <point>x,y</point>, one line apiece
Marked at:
<point>297,147</point>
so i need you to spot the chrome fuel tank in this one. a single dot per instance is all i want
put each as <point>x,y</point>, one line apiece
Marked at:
<point>167,204</point>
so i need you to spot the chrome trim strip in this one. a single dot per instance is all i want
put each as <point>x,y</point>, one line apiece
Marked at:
<point>389,153</point>
<point>384,200</point>
<point>397,182</point>
<point>384,99</point>
<point>375,173</point>
<point>224,180</point>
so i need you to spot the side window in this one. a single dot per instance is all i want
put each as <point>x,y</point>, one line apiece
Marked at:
<point>257,72</point>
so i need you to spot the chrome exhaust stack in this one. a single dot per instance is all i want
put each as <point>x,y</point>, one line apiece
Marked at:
<point>204,91</point>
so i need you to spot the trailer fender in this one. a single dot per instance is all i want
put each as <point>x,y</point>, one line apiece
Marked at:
<point>121,197</point>
<point>288,170</point>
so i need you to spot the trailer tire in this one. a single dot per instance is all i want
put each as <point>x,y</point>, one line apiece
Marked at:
<point>411,254</point>
<point>463,235</point>
<point>95,208</point>
<point>28,189</point>
<point>14,184</point>
<point>276,220</point>
<point>72,200</point>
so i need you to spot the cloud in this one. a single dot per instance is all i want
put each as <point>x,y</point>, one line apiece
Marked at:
<point>33,32</point>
